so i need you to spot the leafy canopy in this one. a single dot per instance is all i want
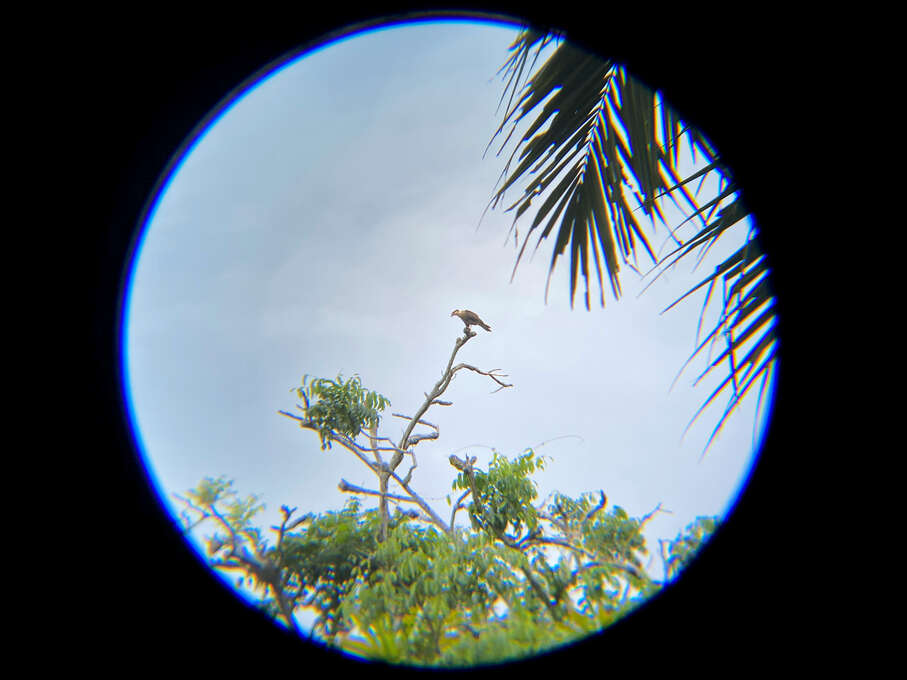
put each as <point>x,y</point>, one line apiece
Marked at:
<point>338,406</point>
<point>521,580</point>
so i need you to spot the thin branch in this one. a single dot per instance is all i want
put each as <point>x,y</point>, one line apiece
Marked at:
<point>438,389</point>
<point>419,422</point>
<point>295,523</point>
<point>546,540</point>
<point>662,544</point>
<point>252,562</point>
<point>458,505</point>
<point>597,508</point>
<point>390,441</point>
<point>292,415</point>
<point>372,435</point>
<point>630,569</point>
<point>409,473</point>
<point>203,514</point>
<point>386,471</point>
<point>434,518</point>
<point>541,594</point>
<point>650,515</point>
<point>346,487</point>
<point>416,438</point>
<point>491,374</point>
<point>287,512</point>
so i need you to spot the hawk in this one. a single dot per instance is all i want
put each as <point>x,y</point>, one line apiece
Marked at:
<point>470,318</point>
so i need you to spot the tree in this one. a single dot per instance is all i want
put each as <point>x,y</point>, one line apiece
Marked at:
<point>600,135</point>
<point>411,587</point>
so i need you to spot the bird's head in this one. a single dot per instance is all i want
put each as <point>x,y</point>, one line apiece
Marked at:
<point>455,312</point>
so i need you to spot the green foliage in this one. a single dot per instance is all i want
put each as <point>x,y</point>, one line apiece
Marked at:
<point>323,558</point>
<point>680,552</point>
<point>343,407</point>
<point>520,581</point>
<point>503,495</point>
<point>614,537</point>
<point>433,599</point>
<point>219,493</point>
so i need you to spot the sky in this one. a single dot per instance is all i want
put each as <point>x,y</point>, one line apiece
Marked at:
<point>328,222</point>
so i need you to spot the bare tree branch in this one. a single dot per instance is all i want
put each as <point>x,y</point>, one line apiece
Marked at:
<point>346,487</point>
<point>433,516</point>
<point>629,568</point>
<point>287,512</point>
<point>409,473</point>
<point>650,515</point>
<point>436,392</point>
<point>387,471</point>
<point>416,438</point>
<point>373,440</point>
<point>254,562</point>
<point>547,540</point>
<point>458,505</point>
<point>420,422</point>
<point>491,374</point>
<point>597,508</point>
<point>295,523</point>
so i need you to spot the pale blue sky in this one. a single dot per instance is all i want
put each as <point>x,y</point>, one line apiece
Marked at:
<point>326,222</point>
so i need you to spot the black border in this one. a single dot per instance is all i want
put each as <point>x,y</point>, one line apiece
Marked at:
<point>145,89</point>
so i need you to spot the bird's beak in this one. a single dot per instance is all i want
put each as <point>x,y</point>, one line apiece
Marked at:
<point>453,312</point>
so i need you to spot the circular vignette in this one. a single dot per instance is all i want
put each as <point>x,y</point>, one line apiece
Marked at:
<point>727,545</point>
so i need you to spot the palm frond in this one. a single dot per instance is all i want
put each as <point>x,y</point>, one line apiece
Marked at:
<point>589,125</point>
<point>599,146</point>
<point>747,323</point>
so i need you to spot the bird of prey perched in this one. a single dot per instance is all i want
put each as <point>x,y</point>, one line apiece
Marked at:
<point>470,318</point>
